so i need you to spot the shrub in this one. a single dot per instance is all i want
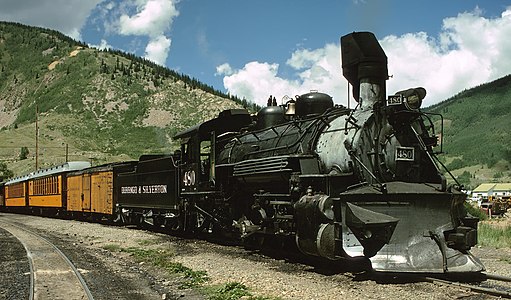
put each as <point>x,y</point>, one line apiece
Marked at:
<point>24,153</point>
<point>476,212</point>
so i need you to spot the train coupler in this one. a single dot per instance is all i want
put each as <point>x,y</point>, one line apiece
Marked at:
<point>461,238</point>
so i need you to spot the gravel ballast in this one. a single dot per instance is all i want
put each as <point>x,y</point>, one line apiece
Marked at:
<point>115,274</point>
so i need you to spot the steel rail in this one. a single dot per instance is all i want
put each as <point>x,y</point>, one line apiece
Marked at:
<point>470,287</point>
<point>57,250</point>
<point>496,277</point>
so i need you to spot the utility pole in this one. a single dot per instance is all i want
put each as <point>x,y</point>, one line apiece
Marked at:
<point>36,137</point>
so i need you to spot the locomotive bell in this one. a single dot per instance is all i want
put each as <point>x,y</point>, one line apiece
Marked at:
<point>291,108</point>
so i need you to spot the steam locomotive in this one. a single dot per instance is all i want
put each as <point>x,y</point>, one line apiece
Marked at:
<point>338,182</point>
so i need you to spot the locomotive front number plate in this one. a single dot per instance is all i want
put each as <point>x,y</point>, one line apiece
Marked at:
<point>395,100</point>
<point>405,153</point>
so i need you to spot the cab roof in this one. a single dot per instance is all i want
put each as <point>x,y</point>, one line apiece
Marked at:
<point>227,120</point>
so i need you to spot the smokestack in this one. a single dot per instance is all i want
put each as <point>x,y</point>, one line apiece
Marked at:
<point>364,61</point>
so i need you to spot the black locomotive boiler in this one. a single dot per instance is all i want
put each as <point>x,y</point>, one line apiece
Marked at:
<point>337,182</point>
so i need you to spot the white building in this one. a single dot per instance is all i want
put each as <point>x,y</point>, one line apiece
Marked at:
<point>484,190</point>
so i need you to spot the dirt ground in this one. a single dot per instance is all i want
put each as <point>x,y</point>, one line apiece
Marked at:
<point>90,245</point>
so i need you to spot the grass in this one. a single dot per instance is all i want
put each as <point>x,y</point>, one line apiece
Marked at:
<point>112,247</point>
<point>232,291</point>
<point>52,146</point>
<point>163,259</point>
<point>506,260</point>
<point>494,236</point>
<point>148,242</point>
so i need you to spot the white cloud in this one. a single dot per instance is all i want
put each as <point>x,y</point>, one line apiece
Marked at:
<point>158,49</point>
<point>75,34</point>
<point>66,16</point>
<point>224,69</point>
<point>316,69</point>
<point>110,6</point>
<point>102,45</point>
<point>305,58</point>
<point>323,70</point>
<point>470,50</point>
<point>256,81</point>
<point>152,18</point>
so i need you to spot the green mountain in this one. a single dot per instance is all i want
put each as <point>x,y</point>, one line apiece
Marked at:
<point>477,132</point>
<point>91,104</point>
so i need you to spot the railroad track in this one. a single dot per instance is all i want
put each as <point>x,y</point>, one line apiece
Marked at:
<point>481,288</point>
<point>52,274</point>
<point>474,283</point>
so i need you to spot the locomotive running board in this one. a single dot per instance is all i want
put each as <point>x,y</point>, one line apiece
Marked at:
<point>426,215</point>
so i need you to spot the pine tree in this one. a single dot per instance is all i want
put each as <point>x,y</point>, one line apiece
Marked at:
<point>23,153</point>
<point>5,172</point>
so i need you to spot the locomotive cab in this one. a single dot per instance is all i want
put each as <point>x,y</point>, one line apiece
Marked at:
<point>198,149</point>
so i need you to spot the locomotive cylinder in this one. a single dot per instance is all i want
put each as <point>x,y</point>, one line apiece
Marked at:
<point>315,228</point>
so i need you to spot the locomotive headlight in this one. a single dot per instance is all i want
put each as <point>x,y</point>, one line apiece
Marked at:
<point>410,99</point>
<point>413,102</point>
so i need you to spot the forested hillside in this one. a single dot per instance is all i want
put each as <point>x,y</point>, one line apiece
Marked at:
<point>103,104</point>
<point>477,131</point>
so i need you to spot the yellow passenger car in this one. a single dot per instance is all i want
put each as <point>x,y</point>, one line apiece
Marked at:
<point>45,191</point>
<point>15,193</point>
<point>46,187</point>
<point>43,188</point>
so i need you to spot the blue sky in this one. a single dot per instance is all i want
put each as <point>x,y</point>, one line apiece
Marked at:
<point>287,47</point>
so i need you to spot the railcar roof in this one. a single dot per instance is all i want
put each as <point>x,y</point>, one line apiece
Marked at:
<point>103,167</point>
<point>67,167</point>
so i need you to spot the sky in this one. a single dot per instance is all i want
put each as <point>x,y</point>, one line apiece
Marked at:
<point>257,48</point>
